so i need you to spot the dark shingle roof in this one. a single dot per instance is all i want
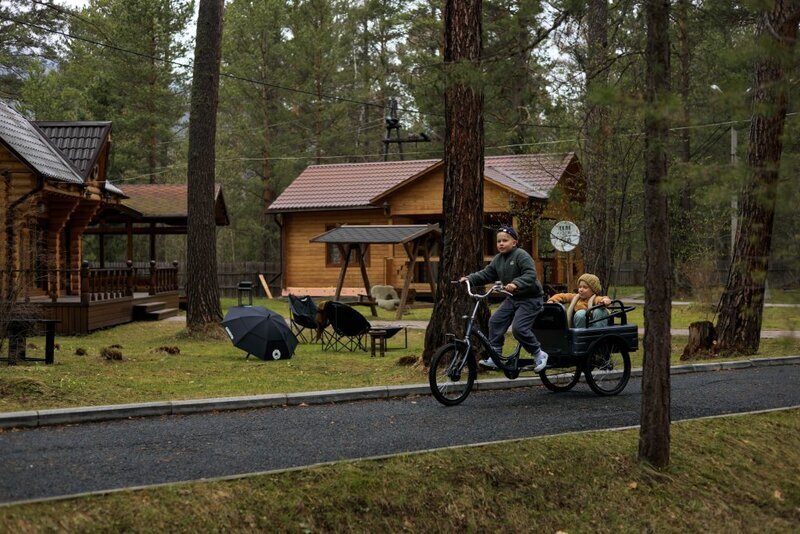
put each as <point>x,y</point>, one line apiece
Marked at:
<point>81,142</point>
<point>33,147</point>
<point>384,234</point>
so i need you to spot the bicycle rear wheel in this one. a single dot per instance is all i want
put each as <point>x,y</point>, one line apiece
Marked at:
<point>608,368</point>
<point>452,374</point>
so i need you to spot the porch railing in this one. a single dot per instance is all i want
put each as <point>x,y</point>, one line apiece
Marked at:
<point>98,284</point>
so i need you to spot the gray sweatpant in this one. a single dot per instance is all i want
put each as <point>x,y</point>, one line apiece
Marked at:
<point>520,312</point>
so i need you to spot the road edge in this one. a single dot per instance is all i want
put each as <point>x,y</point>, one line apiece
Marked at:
<point>89,414</point>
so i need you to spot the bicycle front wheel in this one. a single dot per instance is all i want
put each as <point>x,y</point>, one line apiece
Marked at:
<point>452,374</point>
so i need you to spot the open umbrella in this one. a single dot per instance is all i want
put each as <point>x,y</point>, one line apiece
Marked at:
<point>260,332</point>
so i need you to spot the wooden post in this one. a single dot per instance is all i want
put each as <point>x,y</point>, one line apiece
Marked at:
<point>152,290</point>
<point>152,241</point>
<point>174,282</point>
<point>264,284</point>
<point>344,252</point>
<point>102,248</point>
<point>129,278</point>
<point>411,251</point>
<point>362,251</point>
<point>85,289</point>
<point>129,228</point>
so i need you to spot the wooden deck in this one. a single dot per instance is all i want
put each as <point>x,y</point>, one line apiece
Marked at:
<point>77,317</point>
<point>95,298</point>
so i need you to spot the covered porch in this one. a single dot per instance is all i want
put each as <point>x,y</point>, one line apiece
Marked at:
<point>102,297</point>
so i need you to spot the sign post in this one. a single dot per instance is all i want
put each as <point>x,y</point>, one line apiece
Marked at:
<point>565,236</point>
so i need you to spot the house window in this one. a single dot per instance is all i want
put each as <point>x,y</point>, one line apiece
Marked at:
<point>333,257</point>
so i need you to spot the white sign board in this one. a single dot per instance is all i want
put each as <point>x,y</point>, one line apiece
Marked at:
<point>565,236</point>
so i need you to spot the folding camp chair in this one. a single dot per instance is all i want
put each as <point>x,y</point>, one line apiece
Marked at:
<point>303,317</point>
<point>349,328</point>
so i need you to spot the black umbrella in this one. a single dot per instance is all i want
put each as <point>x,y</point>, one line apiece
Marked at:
<point>260,332</point>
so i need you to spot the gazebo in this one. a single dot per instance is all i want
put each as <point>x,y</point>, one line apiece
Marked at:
<point>416,240</point>
<point>152,210</point>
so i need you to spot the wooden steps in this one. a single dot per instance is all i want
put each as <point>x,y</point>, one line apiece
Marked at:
<point>153,311</point>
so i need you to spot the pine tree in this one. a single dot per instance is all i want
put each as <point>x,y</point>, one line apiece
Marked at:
<point>462,202</point>
<point>654,433</point>
<point>202,290</point>
<point>742,303</point>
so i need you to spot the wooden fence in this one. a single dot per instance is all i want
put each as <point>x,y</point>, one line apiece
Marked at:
<point>228,275</point>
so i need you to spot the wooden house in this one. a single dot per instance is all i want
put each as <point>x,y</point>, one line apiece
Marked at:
<point>53,191</point>
<point>532,191</point>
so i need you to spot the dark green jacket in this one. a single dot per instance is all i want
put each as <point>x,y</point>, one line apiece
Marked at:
<point>516,266</point>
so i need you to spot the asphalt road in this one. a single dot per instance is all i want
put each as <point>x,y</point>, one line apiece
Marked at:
<point>56,461</point>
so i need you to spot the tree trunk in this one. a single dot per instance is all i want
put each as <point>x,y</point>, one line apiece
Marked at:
<point>741,306</point>
<point>598,244</point>
<point>684,236</point>
<point>201,281</point>
<point>267,192</point>
<point>655,418</point>
<point>684,53</point>
<point>462,202</point>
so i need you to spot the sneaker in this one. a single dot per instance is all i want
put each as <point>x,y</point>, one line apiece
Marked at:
<point>541,361</point>
<point>488,363</point>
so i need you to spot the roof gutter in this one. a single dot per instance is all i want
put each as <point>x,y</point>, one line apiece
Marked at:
<point>10,228</point>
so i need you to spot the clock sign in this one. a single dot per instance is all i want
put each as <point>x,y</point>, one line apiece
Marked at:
<point>565,236</point>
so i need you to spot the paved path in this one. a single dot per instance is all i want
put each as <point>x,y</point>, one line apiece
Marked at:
<point>64,460</point>
<point>765,334</point>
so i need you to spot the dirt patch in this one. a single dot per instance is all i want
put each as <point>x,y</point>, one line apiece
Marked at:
<point>407,360</point>
<point>111,353</point>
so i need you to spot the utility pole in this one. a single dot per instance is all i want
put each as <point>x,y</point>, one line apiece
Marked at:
<point>393,125</point>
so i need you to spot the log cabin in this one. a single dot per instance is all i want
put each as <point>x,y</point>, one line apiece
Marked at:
<point>531,191</point>
<point>54,190</point>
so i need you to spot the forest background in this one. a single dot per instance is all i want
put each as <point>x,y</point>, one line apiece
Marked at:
<point>310,82</point>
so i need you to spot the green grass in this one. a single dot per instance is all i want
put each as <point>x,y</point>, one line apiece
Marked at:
<point>215,368</point>
<point>684,315</point>
<point>735,474</point>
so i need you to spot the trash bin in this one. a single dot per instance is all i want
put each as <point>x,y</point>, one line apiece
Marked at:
<point>245,289</point>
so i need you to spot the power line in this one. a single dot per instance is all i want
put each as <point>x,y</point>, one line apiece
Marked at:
<point>323,96</point>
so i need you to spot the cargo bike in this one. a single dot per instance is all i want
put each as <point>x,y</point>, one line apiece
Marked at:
<point>600,353</point>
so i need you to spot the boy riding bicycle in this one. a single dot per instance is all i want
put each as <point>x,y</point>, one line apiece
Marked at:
<point>515,269</point>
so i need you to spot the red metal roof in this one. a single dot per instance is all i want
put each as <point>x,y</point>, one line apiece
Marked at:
<point>345,185</point>
<point>360,185</point>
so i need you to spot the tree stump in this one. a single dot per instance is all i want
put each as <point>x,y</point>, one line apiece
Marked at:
<point>702,337</point>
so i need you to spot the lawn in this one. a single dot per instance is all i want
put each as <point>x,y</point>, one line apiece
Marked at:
<point>202,369</point>
<point>731,474</point>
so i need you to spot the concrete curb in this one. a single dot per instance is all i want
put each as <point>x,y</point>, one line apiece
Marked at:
<point>62,416</point>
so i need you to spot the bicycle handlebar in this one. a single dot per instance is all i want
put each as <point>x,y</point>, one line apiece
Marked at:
<point>496,288</point>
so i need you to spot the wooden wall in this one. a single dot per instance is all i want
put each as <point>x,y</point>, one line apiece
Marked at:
<point>424,196</point>
<point>304,262</point>
<point>22,181</point>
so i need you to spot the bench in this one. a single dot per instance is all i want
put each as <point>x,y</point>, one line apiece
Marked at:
<point>18,329</point>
